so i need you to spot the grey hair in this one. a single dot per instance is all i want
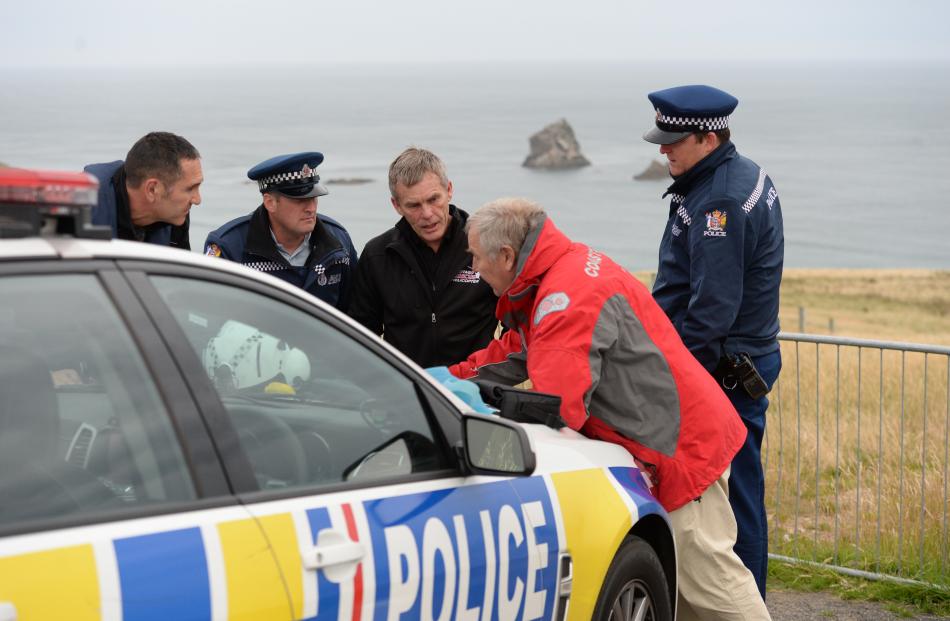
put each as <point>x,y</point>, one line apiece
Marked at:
<point>505,222</point>
<point>411,166</point>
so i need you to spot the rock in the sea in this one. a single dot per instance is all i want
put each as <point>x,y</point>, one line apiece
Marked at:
<point>656,170</point>
<point>348,181</point>
<point>555,148</point>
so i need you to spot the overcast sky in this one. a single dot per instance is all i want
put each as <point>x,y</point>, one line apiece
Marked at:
<point>94,33</point>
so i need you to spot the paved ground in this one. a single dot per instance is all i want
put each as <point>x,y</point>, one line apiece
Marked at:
<point>796,606</point>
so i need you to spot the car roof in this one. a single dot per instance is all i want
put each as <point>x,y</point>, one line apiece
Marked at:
<point>71,248</point>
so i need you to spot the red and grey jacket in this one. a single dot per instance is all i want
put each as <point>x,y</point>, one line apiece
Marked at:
<point>591,333</point>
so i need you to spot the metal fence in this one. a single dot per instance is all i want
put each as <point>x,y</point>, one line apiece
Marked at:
<point>856,454</point>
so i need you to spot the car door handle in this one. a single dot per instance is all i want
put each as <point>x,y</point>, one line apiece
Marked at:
<point>7,612</point>
<point>338,554</point>
<point>335,554</point>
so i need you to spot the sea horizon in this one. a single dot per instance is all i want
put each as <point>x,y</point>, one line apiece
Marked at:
<point>848,144</point>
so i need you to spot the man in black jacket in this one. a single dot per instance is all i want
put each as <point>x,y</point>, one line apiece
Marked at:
<point>414,283</point>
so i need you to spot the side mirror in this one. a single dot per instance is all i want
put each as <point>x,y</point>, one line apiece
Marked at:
<point>497,447</point>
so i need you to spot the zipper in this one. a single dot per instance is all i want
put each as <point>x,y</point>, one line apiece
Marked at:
<point>433,317</point>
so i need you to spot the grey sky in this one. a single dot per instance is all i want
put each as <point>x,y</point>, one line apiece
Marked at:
<point>202,32</point>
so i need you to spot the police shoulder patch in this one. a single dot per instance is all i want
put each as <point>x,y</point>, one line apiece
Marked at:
<point>212,250</point>
<point>715,223</point>
<point>551,303</point>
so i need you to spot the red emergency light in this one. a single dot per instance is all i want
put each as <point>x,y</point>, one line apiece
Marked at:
<point>40,202</point>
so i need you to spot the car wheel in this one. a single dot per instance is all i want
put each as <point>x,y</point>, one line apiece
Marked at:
<point>635,586</point>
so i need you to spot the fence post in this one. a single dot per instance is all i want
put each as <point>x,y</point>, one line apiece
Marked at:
<point>801,319</point>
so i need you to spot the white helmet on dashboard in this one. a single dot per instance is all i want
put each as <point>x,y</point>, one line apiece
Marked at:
<point>241,356</point>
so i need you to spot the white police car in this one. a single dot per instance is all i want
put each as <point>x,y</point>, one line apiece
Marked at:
<point>184,438</point>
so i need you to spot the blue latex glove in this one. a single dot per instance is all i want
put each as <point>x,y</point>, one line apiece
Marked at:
<point>463,389</point>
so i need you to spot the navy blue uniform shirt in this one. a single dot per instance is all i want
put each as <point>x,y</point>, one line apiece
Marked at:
<point>328,273</point>
<point>720,263</point>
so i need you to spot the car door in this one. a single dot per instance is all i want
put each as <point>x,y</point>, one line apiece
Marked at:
<point>114,504</point>
<point>347,457</point>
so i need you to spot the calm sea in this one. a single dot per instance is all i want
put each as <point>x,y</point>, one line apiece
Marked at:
<point>860,153</point>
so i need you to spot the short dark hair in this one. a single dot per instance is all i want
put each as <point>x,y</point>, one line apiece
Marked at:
<point>722,134</point>
<point>158,154</point>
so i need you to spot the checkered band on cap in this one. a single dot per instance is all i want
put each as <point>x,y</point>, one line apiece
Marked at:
<point>281,178</point>
<point>685,124</point>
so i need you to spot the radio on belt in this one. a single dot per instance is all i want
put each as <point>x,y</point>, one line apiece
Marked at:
<point>48,203</point>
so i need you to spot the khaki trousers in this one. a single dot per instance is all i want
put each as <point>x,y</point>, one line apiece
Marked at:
<point>713,582</point>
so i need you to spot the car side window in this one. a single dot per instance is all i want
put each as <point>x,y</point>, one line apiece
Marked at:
<point>82,427</point>
<point>312,406</point>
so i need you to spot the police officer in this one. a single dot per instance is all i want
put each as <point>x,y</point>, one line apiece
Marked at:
<point>148,196</point>
<point>720,267</point>
<point>285,236</point>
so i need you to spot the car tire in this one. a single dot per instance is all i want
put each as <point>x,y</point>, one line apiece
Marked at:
<point>635,586</point>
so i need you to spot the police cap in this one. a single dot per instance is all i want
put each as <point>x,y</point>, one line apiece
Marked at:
<point>292,175</point>
<point>683,110</point>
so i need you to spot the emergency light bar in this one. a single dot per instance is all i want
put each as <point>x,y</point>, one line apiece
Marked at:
<point>43,203</point>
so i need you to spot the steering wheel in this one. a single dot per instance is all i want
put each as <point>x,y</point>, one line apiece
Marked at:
<point>276,456</point>
<point>377,417</point>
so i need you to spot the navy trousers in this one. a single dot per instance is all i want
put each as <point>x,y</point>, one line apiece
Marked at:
<point>747,479</point>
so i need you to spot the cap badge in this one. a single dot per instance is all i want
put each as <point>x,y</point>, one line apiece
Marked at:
<point>306,171</point>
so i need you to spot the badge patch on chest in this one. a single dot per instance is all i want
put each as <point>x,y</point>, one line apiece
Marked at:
<point>715,224</point>
<point>467,276</point>
<point>551,303</point>
<point>323,280</point>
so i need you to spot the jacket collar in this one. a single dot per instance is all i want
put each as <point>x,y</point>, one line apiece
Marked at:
<point>260,242</point>
<point>543,246</point>
<point>123,213</point>
<point>702,170</point>
<point>124,228</point>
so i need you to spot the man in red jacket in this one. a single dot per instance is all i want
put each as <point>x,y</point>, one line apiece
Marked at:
<point>591,333</point>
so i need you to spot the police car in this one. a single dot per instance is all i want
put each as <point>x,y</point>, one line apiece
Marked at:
<point>184,438</point>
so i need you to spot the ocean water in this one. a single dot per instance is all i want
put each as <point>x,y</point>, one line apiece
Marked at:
<point>860,153</point>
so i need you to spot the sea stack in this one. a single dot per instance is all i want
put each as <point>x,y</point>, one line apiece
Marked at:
<point>656,170</point>
<point>555,148</point>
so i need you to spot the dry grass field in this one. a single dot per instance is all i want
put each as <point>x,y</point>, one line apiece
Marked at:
<point>897,305</point>
<point>857,445</point>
